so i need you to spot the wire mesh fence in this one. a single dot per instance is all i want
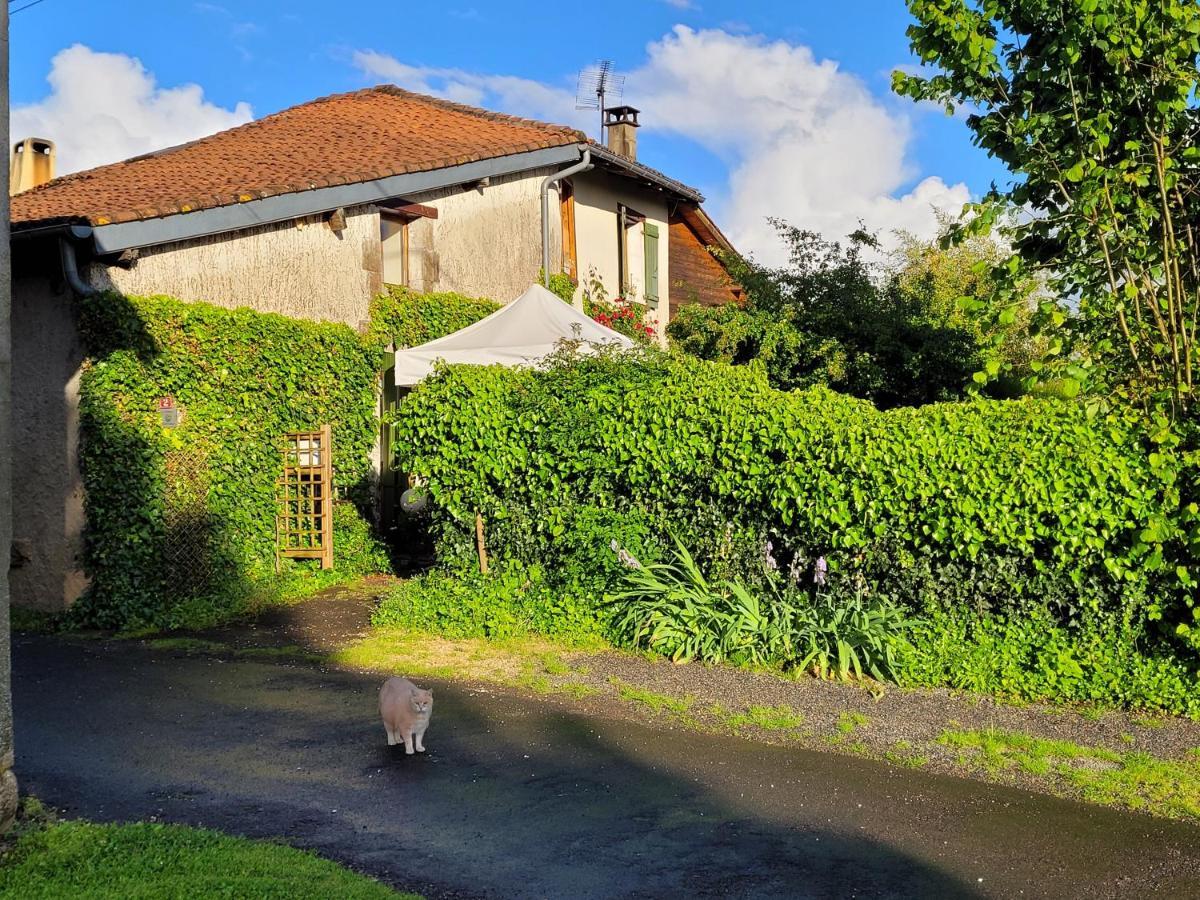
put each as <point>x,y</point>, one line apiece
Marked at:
<point>188,556</point>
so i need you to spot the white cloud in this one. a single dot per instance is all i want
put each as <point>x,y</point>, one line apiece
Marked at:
<point>803,140</point>
<point>507,93</point>
<point>681,4</point>
<point>105,107</point>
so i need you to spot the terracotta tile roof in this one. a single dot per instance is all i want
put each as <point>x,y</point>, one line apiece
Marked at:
<point>343,139</point>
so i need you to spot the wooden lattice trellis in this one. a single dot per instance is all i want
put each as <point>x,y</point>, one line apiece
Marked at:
<point>304,494</point>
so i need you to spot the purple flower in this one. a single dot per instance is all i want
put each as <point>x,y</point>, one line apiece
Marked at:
<point>628,560</point>
<point>820,572</point>
<point>796,569</point>
<point>768,559</point>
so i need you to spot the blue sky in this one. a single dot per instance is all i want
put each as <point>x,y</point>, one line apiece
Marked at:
<point>752,102</point>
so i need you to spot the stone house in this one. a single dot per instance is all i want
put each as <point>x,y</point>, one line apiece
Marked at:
<point>310,212</point>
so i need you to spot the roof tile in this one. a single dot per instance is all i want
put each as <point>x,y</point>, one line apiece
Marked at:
<point>336,140</point>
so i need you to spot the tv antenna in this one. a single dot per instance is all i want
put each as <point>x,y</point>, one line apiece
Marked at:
<point>595,84</point>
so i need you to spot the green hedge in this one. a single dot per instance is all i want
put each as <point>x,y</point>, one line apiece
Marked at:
<point>986,510</point>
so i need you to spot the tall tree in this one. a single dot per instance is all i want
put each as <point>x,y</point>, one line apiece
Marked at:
<point>831,317</point>
<point>1092,104</point>
<point>954,279</point>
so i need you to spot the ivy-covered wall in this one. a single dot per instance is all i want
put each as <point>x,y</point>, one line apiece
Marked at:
<point>181,522</point>
<point>408,318</point>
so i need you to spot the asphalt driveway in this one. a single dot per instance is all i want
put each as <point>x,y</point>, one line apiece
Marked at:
<point>525,797</point>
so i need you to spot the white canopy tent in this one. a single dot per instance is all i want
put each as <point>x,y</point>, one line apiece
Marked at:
<point>519,334</point>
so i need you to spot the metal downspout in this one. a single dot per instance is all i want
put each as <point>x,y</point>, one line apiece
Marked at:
<point>584,163</point>
<point>70,267</point>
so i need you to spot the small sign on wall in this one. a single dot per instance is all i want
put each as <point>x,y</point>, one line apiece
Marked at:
<point>169,412</point>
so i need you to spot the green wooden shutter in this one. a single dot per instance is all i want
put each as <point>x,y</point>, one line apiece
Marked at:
<point>650,233</point>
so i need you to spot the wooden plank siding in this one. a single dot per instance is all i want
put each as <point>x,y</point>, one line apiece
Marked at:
<point>570,257</point>
<point>696,275</point>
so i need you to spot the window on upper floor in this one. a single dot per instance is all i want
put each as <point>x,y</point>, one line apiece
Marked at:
<point>627,219</point>
<point>393,237</point>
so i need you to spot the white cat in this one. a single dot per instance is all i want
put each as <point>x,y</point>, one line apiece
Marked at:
<point>405,710</point>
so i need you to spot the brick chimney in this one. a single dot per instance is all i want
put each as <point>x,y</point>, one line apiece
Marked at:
<point>622,125</point>
<point>32,164</point>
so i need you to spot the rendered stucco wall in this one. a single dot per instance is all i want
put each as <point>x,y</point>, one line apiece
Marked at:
<point>597,195</point>
<point>485,242</point>
<point>300,269</point>
<point>47,534</point>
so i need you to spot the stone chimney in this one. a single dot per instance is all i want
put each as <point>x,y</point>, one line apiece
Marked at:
<point>622,125</point>
<point>32,164</point>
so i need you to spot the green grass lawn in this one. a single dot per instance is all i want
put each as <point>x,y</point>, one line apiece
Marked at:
<point>145,860</point>
<point>1135,780</point>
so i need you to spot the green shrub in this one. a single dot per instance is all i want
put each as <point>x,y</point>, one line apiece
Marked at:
<point>407,318</point>
<point>181,522</point>
<point>831,317</point>
<point>561,285</point>
<point>1107,660</point>
<point>506,603</point>
<point>358,550</point>
<point>980,509</point>
<point>673,609</point>
<point>852,635</point>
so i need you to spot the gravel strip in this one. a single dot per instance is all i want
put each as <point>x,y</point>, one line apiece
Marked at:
<point>916,715</point>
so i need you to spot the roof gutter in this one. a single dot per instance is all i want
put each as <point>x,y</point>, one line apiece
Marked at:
<point>70,230</point>
<point>585,163</point>
<point>67,234</point>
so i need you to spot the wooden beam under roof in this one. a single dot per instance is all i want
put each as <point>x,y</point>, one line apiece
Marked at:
<point>402,207</point>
